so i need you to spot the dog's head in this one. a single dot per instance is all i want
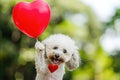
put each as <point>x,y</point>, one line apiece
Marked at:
<point>61,49</point>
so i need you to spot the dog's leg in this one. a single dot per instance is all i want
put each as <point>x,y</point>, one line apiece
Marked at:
<point>40,57</point>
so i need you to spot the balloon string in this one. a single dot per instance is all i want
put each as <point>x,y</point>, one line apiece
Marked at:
<point>36,39</point>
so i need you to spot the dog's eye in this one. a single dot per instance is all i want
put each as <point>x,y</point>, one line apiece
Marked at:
<point>64,51</point>
<point>55,47</point>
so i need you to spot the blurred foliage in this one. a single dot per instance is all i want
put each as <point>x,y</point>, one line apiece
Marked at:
<point>71,17</point>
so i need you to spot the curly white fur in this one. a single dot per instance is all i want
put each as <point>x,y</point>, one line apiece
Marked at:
<point>57,49</point>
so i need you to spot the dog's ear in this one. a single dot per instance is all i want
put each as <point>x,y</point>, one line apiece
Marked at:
<point>73,63</point>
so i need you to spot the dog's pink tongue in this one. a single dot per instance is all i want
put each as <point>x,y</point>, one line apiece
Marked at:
<point>52,67</point>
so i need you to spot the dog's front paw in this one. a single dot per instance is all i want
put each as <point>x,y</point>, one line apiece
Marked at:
<point>39,46</point>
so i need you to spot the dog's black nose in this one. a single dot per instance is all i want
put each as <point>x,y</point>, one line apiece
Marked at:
<point>57,56</point>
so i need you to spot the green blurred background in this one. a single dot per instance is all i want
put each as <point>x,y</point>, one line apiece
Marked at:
<point>70,17</point>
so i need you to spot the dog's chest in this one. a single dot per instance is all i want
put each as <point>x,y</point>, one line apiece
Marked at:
<point>57,75</point>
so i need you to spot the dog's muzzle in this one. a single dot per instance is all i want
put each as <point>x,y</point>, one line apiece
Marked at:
<point>57,59</point>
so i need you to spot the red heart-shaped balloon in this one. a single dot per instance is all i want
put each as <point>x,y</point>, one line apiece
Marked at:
<point>31,18</point>
<point>52,67</point>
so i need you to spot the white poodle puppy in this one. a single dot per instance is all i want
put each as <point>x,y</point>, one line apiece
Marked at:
<point>57,49</point>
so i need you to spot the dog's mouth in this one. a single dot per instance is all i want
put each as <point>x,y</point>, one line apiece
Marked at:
<point>57,60</point>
